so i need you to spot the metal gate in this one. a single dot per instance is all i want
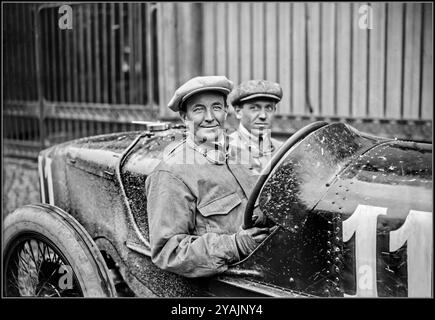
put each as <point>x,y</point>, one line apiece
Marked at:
<point>60,83</point>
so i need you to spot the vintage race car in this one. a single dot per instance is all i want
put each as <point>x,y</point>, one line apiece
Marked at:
<point>352,215</point>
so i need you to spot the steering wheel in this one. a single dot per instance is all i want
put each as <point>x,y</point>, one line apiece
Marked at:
<point>296,137</point>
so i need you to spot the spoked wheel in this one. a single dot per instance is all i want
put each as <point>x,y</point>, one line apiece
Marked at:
<point>47,253</point>
<point>35,267</point>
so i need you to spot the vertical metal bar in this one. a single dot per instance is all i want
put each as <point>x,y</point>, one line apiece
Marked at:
<point>90,65</point>
<point>47,65</point>
<point>69,75</point>
<point>421,64</point>
<point>61,55</point>
<point>104,52</point>
<point>351,91</point>
<point>24,127</point>
<point>14,51</point>
<point>122,52</point>
<point>33,128</point>
<point>40,84</point>
<point>49,123</point>
<point>6,54</point>
<point>137,60</point>
<point>85,123</point>
<point>76,130</point>
<point>131,71</point>
<point>10,64</point>
<point>15,129</point>
<point>56,124</point>
<point>82,61</point>
<point>62,127</point>
<point>402,75</point>
<point>34,87</point>
<point>97,62</point>
<point>99,127</point>
<point>17,55</point>
<point>23,57</point>
<point>91,128</point>
<point>149,61</point>
<point>52,43</point>
<point>74,50</point>
<point>291,56</point>
<point>70,128</point>
<point>140,54</point>
<point>112,53</point>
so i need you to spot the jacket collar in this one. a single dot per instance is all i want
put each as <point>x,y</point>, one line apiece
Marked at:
<point>258,146</point>
<point>216,153</point>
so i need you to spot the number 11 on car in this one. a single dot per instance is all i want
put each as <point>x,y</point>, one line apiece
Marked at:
<point>416,232</point>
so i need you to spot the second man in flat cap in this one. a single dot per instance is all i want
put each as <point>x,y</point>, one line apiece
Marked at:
<point>254,102</point>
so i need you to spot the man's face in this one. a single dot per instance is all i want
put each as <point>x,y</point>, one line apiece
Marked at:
<point>205,115</point>
<point>256,115</point>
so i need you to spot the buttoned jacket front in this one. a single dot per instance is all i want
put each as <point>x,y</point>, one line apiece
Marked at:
<point>246,149</point>
<point>195,206</point>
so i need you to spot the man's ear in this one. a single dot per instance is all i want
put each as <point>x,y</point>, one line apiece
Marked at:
<point>238,109</point>
<point>183,116</point>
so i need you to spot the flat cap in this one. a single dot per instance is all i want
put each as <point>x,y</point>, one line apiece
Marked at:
<point>199,84</point>
<point>255,89</point>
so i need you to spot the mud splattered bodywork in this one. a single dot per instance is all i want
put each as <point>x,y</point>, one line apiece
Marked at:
<point>338,197</point>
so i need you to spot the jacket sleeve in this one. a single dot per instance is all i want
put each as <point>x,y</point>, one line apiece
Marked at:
<point>171,210</point>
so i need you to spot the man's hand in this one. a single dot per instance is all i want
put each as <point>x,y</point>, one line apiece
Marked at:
<point>259,219</point>
<point>247,240</point>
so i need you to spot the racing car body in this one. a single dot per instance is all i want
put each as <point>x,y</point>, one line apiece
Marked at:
<point>353,215</point>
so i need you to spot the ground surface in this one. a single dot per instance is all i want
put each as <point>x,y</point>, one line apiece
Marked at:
<point>20,183</point>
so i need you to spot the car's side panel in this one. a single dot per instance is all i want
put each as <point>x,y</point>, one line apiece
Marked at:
<point>381,193</point>
<point>384,202</point>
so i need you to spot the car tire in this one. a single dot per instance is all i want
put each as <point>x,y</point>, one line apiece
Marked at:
<point>48,253</point>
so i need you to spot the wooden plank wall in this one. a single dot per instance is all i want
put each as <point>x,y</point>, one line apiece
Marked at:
<point>179,48</point>
<point>326,64</point>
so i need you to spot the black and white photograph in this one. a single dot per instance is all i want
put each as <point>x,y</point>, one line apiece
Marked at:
<point>217,149</point>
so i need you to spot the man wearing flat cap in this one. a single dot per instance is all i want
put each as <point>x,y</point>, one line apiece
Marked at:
<point>254,102</point>
<point>196,196</point>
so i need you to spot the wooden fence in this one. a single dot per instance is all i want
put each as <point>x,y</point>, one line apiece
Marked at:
<point>326,64</point>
